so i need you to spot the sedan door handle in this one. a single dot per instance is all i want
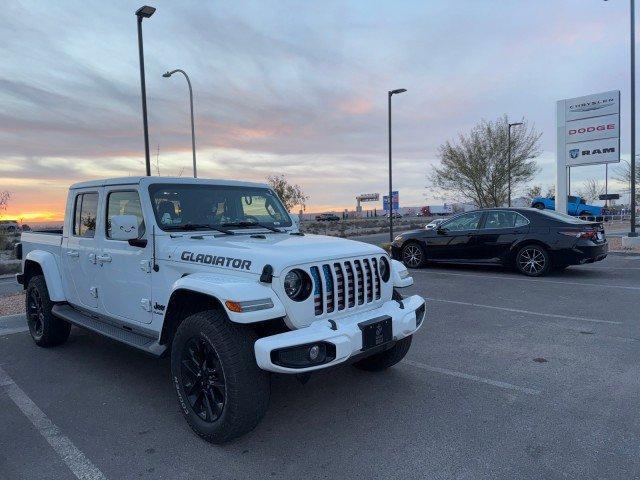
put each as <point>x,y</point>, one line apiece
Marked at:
<point>73,253</point>
<point>104,258</point>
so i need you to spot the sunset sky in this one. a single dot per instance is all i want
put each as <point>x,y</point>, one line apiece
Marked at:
<point>298,88</point>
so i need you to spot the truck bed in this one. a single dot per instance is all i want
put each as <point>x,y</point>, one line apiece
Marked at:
<point>50,241</point>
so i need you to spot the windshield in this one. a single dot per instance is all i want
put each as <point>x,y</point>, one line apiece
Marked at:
<point>188,206</point>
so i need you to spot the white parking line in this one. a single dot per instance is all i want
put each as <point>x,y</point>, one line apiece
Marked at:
<point>526,312</point>
<point>530,280</point>
<point>77,462</point>
<point>474,378</point>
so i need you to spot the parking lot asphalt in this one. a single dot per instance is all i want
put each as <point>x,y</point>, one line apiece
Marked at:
<point>8,285</point>
<point>510,377</point>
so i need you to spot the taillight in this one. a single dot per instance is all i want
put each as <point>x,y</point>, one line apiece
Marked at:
<point>589,234</point>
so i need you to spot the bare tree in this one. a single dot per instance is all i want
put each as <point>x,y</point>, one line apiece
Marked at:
<point>590,190</point>
<point>5,196</point>
<point>291,195</point>
<point>551,191</point>
<point>475,168</point>
<point>623,175</point>
<point>532,192</point>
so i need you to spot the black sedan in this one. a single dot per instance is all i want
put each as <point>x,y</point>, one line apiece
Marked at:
<point>534,241</point>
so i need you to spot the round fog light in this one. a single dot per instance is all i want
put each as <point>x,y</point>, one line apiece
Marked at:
<point>314,352</point>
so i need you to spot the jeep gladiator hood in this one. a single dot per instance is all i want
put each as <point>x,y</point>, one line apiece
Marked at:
<point>250,253</point>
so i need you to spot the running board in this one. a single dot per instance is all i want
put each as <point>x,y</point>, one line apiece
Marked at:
<point>119,334</point>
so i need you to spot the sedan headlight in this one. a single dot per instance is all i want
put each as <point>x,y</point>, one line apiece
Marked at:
<point>297,285</point>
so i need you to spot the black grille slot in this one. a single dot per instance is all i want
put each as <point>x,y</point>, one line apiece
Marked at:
<point>328,281</point>
<point>317,290</point>
<point>351,284</point>
<point>376,274</point>
<point>340,284</point>
<point>367,270</point>
<point>360,276</point>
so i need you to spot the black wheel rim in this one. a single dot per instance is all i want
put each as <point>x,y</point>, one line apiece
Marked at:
<point>412,256</point>
<point>203,379</point>
<point>35,313</point>
<point>532,261</point>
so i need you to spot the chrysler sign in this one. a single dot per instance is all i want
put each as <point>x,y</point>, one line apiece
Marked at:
<point>597,105</point>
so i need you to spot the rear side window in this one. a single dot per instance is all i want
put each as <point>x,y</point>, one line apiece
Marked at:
<point>504,219</point>
<point>85,215</point>
<point>125,203</point>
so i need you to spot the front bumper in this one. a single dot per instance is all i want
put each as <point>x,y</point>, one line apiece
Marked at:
<point>344,334</point>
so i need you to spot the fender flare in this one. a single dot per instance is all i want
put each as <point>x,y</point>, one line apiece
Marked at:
<point>400,277</point>
<point>234,288</point>
<point>51,272</point>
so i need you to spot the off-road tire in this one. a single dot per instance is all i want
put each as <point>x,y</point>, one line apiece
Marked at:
<point>45,329</point>
<point>533,260</point>
<point>383,360</point>
<point>246,387</point>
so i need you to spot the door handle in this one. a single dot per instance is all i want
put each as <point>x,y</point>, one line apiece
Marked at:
<point>73,253</point>
<point>106,258</point>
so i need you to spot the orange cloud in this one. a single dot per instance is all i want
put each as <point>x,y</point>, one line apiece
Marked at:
<point>356,106</point>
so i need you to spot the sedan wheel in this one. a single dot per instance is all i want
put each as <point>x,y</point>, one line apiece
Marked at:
<point>412,255</point>
<point>533,261</point>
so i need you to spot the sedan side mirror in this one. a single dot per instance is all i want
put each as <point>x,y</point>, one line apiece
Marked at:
<point>441,230</point>
<point>123,227</point>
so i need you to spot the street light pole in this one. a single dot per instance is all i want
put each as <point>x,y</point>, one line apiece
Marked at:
<point>633,232</point>
<point>144,12</point>
<point>193,131</point>
<point>509,159</point>
<point>391,93</point>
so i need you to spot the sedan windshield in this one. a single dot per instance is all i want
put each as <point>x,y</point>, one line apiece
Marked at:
<point>216,207</point>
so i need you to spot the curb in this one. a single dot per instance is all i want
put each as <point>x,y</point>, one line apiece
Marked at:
<point>14,316</point>
<point>624,254</point>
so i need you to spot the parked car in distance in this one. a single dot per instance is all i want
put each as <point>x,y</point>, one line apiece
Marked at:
<point>434,223</point>
<point>327,217</point>
<point>9,226</point>
<point>576,206</point>
<point>534,241</point>
<point>394,214</point>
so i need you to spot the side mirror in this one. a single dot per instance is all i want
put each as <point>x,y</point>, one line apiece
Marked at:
<point>123,227</point>
<point>441,230</point>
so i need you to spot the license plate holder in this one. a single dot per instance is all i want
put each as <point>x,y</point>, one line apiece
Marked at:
<point>376,331</point>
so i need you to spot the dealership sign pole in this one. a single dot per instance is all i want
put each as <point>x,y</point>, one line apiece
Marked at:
<point>588,133</point>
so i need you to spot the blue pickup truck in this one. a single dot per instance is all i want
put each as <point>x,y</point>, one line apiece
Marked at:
<point>576,206</point>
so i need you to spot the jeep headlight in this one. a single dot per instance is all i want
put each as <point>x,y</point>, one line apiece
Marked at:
<point>385,270</point>
<point>297,285</point>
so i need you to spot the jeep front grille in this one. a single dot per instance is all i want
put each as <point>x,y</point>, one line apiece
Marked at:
<point>346,285</point>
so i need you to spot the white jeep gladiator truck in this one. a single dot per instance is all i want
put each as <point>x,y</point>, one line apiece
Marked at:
<point>215,274</point>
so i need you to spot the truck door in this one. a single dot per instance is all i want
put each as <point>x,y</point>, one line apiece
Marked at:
<point>79,251</point>
<point>125,272</point>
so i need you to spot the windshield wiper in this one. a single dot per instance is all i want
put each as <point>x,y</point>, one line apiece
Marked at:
<point>187,227</point>
<point>251,224</point>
